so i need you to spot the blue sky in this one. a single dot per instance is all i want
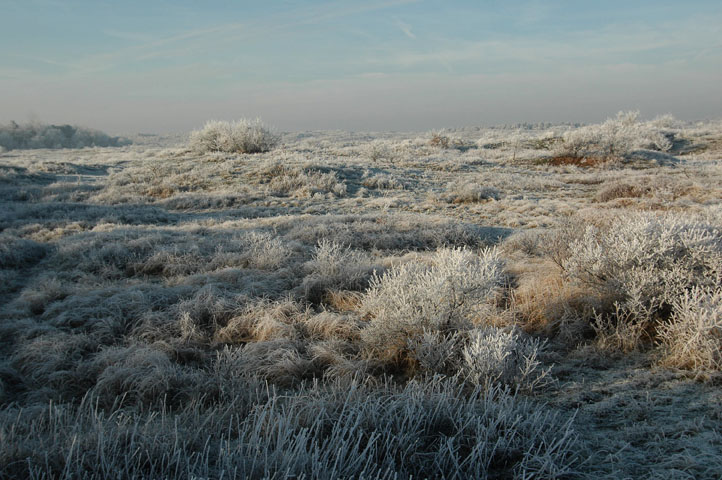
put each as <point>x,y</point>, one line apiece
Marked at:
<point>162,66</point>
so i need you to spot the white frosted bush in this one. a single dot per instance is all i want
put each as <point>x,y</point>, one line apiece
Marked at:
<point>382,181</point>
<point>625,329</point>
<point>332,259</point>
<point>654,258</point>
<point>693,337</point>
<point>647,263</point>
<point>436,352</point>
<point>242,136</point>
<point>264,251</point>
<point>506,356</point>
<point>469,191</point>
<point>484,356</point>
<point>441,140</point>
<point>335,266</point>
<point>377,149</point>
<point>446,293</point>
<point>614,139</point>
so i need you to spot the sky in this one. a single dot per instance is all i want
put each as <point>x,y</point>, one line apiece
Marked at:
<point>403,65</point>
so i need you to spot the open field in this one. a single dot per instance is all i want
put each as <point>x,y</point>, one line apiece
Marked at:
<point>522,302</point>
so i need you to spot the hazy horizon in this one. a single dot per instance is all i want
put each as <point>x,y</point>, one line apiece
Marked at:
<point>400,65</point>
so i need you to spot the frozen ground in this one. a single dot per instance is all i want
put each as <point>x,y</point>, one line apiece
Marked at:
<point>183,314</point>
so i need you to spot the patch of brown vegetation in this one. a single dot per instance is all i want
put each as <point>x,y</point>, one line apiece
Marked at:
<point>543,302</point>
<point>622,190</point>
<point>574,160</point>
<point>342,300</point>
<point>159,191</point>
<point>439,140</point>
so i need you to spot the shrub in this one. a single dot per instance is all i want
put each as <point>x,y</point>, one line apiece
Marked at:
<point>444,294</point>
<point>614,139</point>
<point>439,140</point>
<point>261,250</point>
<point>507,356</point>
<point>652,257</point>
<point>335,267</point>
<point>243,136</point>
<point>377,149</point>
<point>616,190</point>
<point>382,181</point>
<point>693,337</point>
<point>484,356</point>
<point>647,263</point>
<point>443,141</point>
<point>469,191</point>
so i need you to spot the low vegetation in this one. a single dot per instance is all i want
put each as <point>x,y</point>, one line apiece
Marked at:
<point>475,307</point>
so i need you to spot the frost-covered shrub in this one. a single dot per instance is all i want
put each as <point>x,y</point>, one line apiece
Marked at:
<point>468,191</point>
<point>336,267</point>
<point>439,140</point>
<point>625,329</point>
<point>260,250</point>
<point>332,259</point>
<point>693,336</point>
<point>614,139</point>
<point>621,189</point>
<point>377,149</point>
<point>506,356</point>
<point>242,136</point>
<point>437,352</point>
<point>446,293</point>
<point>653,257</point>
<point>444,141</point>
<point>647,263</point>
<point>483,356</point>
<point>36,135</point>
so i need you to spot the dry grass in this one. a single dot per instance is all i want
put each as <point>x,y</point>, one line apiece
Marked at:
<point>333,309</point>
<point>573,160</point>
<point>544,302</point>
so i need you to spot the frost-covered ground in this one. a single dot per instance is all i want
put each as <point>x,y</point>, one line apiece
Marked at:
<point>502,302</point>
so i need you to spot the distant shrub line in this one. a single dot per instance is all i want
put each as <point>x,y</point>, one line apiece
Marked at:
<point>36,135</point>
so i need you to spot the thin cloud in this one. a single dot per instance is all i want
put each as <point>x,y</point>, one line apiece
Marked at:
<point>166,46</point>
<point>406,28</point>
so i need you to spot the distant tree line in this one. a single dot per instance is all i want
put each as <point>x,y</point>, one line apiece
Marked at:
<point>37,135</point>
